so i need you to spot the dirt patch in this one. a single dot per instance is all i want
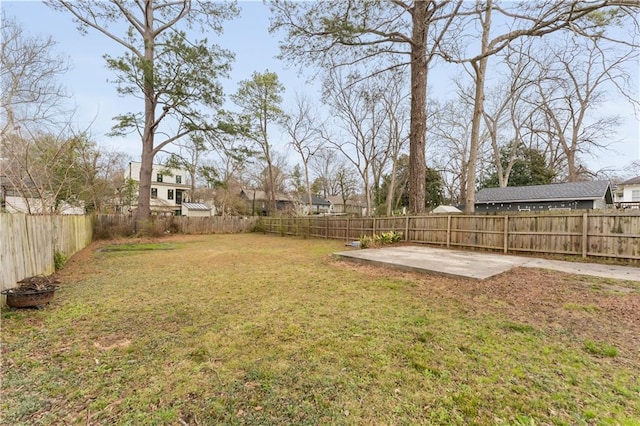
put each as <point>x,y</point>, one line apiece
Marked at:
<point>108,343</point>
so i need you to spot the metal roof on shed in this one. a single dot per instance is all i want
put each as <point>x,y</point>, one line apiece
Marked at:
<point>196,206</point>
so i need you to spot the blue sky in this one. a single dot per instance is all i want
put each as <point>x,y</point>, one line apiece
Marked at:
<point>255,50</point>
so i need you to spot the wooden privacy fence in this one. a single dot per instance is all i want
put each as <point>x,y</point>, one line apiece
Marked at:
<point>28,243</point>
<point>108,226</point>
<point>614,235</point>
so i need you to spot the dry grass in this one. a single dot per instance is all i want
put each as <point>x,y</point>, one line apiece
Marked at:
<point>254,329</point>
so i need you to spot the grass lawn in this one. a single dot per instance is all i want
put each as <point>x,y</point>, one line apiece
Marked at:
<point>256,329</point>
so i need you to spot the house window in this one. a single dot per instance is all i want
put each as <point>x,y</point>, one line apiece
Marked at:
<point>170,194</point>
<point>635,195</point>
<point>178,179</point>
<point>159,177</point>
<point>154,192</point>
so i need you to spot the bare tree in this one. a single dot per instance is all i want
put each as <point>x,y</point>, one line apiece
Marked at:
<point>575,74</point>
<point>358,112</point>
<point>326,165</point>
<point>523,20</point>
<point>381,35</point>
<point>303,126</point>
<point>395,130</point>
<point>37,146</point>
<point>31,96</point>
<point>450,133</point>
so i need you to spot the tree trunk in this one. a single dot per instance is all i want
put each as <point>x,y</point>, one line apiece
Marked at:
<point>146,159</point>
<point>306,181</point>
<point>417,130</point>
<point>480,69</point>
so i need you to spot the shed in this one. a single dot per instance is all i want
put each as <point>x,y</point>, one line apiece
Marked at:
<point>196,210</point>
<point>557,196</point>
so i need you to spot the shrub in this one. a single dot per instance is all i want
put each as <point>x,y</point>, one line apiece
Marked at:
<point>366,241</point>
<point>59,259</point>
<point>376,240</point>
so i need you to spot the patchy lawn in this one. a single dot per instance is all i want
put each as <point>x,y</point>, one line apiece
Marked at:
<point>255,329</point>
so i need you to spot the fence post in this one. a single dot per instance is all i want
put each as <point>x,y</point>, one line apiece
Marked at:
<point>585,231</point>
<point>326,227</point>
<point>506,234</point>
<point>448,230</point>
<point>374,227</point>
<point>406,228</point>
<point>348,228</point>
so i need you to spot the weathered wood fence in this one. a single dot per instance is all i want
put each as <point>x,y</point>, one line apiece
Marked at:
<point>615,235</point>
<point>108,226</point>
<point>28,243</point>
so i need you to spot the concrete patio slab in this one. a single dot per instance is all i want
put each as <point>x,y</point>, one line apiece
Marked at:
<point>476,265</point>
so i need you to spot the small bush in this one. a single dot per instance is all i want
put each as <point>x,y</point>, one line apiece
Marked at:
<point>366,241</point>
<point>376,240</point>
<point>59,259</point>
<point>149,228</point>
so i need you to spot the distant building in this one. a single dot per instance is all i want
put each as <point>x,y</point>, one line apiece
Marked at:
<point>318,205</point>
<point>169,189</point>
<point>196,210</point>
<point>556,196</point>
<point>259,202</point>
<point>627,193</point>
<point>23,196</point>
<point>339,206</point>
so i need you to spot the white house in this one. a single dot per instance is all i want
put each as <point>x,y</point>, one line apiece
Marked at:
<point>169,188</point>
<point>26,198</point>
<point>628,193</point>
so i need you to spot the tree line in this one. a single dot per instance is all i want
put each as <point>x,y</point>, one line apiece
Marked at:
<point>530,81</point>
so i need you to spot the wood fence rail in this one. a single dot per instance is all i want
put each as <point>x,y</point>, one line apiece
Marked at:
<point>108,226</point>
<point>614,235</point>
<point>28,243</point>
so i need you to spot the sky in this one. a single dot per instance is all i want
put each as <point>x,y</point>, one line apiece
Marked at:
<point>255,50</point>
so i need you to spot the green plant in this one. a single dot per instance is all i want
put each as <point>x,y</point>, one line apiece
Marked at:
<point>366,241</point>
<point>600,348</point>
<point>59,259</point>
<point>384,238</point>
<point>390,237</point>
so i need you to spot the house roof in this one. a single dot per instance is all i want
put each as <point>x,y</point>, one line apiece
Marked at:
<point>317,201</point>
<point>553,192</point>
<point>632,181</point>
<point>262,195</point>
<point>196,206</point>
<point>337,200</point>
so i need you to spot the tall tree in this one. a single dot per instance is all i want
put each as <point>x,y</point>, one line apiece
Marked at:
<point>259,99</point>
<point>359,113</point>
<point>302,125</point>
<point>32,97</point>
<point>524,20</point>
<point>381,35</point>
<point>575,76</point>
<point>175,77</point>
<point>326,165</point>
